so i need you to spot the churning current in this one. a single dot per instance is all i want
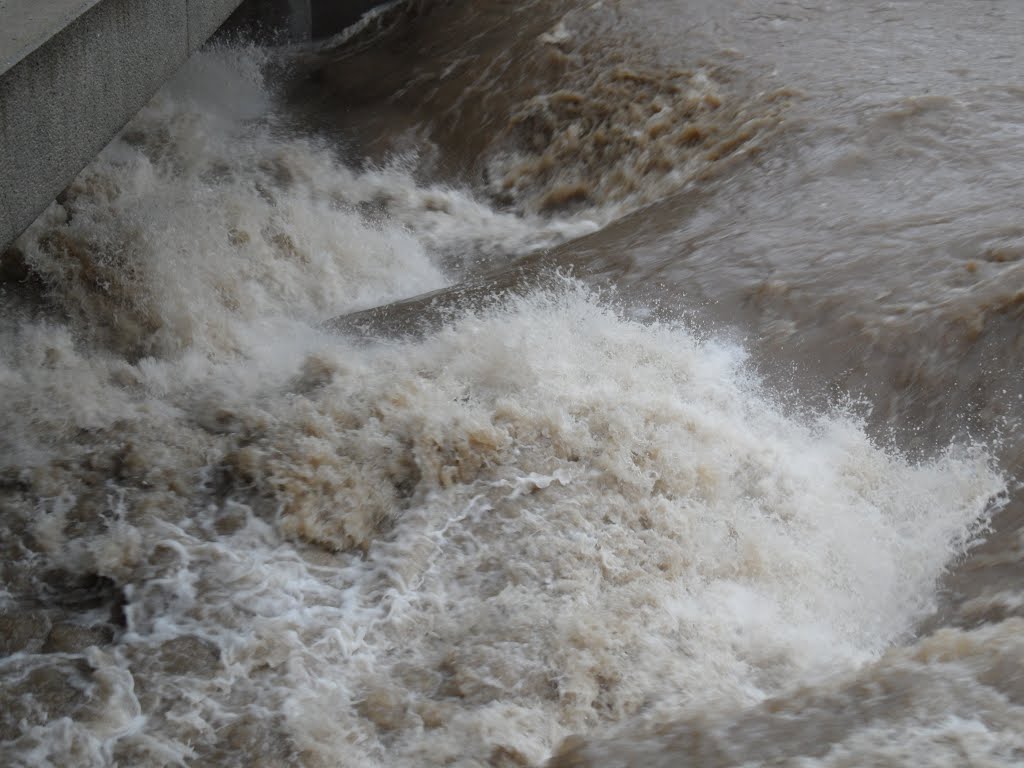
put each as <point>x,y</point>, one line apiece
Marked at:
<point>576,384</point>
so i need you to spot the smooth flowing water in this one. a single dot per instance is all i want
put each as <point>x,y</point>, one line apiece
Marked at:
<point>539,383</point>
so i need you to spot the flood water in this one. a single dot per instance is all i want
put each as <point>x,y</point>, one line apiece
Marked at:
<point>546,383</point>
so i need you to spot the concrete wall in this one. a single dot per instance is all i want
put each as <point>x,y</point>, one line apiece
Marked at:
<point>72,73</point>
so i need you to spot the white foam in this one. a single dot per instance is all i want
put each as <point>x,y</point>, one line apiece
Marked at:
<point>545,518</point>
<point>608,517</point>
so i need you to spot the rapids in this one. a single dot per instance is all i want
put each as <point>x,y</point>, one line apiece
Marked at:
<point>520,384</point>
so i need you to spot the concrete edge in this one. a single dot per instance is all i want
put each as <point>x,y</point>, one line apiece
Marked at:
<point>66,99</point>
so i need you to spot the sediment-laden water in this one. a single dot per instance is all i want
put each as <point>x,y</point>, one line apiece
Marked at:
<point>704,447</point>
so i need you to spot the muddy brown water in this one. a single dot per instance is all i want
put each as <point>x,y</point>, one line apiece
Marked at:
<point>538,383</point>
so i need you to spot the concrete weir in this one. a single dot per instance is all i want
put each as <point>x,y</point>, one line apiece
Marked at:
<point>73,72</point>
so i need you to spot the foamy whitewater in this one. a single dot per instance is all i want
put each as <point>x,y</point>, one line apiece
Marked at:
<point>548,530</point>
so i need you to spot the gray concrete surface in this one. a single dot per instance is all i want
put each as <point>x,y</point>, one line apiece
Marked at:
<point>72,73</point>
<point>26,25</point>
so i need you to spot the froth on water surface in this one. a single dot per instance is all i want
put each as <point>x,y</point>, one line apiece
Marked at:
<point>547,107</point>
<point>541,519</point>
<point>952,699</point>
<point>555,523</point>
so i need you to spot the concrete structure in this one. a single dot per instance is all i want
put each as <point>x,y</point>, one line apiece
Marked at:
<point>73,72</point>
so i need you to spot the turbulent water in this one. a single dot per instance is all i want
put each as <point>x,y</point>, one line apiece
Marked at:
<point>703,447</point>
